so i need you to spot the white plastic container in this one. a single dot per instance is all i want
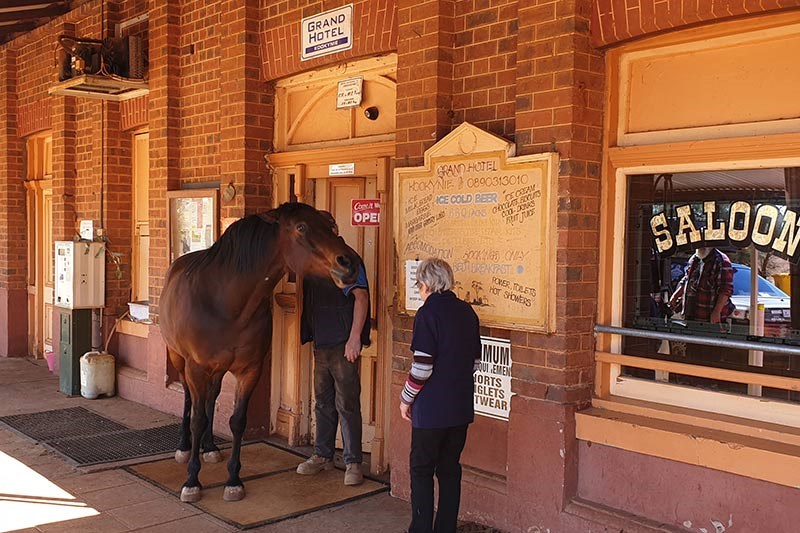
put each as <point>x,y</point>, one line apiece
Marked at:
<point>97,374</point>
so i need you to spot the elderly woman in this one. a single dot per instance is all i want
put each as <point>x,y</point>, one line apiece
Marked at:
<point>438,395</point>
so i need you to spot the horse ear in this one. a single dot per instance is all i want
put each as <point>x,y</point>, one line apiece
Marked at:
<point>270,217</point>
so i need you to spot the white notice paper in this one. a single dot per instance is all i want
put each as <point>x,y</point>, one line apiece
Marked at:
<point>413,300</point>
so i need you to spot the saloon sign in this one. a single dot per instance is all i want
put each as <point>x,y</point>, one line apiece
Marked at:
<point>765,226</point>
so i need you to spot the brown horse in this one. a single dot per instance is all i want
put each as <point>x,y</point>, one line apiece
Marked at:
<point>216,317</point>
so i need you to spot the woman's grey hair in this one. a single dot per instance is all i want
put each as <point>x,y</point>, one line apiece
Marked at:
<point>436,274</point>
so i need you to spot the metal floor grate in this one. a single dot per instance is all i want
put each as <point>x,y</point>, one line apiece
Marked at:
<point>111,447</point>
<point>61,423</point>
<point>89,439</point>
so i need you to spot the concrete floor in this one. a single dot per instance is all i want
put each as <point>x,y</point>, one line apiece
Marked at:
<point>41,491</point>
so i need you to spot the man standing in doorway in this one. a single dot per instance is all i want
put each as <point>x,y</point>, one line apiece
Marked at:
<point>337,320</point>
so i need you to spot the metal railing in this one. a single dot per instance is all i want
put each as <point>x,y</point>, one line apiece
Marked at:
<point>708,341</point>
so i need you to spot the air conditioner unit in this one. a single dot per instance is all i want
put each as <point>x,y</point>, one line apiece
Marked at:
<point>119,56</point>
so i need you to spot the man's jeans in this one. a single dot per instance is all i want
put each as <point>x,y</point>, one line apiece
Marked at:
<point>337,395</point>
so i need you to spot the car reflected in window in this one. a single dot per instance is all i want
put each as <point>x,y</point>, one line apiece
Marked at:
<point>777,304</point>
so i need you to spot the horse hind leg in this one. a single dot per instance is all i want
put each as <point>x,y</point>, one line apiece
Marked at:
<point>246,383</point>
<point>198,384</point>
<point>184,433</point>
<point>211,453</point>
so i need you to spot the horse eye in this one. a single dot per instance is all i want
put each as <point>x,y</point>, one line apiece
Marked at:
<point>302,228</point>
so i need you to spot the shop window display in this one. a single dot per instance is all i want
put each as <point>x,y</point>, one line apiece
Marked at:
<point>715,255</point>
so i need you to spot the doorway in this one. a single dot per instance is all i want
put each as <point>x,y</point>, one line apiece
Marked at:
<point>39,213</point>
<point>336,195</point>
<point>292,363</point>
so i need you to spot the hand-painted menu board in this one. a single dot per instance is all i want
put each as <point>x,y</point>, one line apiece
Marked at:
<point>491,216</point>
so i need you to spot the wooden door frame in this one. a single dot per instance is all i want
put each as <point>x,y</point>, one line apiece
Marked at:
<point>370,160</point>
<point>37,257</point>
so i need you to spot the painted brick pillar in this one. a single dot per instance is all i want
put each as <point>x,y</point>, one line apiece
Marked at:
<point>424,76</point>
<point>559,108</point>
<point>13,272</point>
<point>246,111</point>
<point>164,114</point>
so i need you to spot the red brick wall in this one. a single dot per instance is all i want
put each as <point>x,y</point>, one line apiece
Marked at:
<point>13,271</point>
<point>424,76</point>
<point>12,192</point>
<point>133,113</point>
<point>374,31</point>
<point>485,74</point>
<point>165,128</point>
<point>199,91</point>
<point>246,118</point>
<point>34,117</point>
<point>614,21</point>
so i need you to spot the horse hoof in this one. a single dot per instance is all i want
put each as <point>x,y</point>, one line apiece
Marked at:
<point>212,457</point>
<point>182,456</point>
<point>190,494</point>
<point>233,494</point>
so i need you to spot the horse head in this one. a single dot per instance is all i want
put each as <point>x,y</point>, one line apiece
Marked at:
<point>310,244</point>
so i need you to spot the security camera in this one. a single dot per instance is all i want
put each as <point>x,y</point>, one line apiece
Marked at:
<point>371,113</point>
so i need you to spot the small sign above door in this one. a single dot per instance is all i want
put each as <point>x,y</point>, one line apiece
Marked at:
<point>342,169</point>
<point>326,33</point>
<point>365,212</point>
<point>349,93</point>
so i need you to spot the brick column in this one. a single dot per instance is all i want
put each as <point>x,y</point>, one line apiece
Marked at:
<point>13,272</point>
<point>424,76</point>
<point>246,111</point>
<point>559,108</point>
<point>64,119</point>
<point>164,113</point>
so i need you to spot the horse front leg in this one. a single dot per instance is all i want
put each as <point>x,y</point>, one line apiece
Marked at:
<point>246,383</point>
<point>211,453</point>
<point>185,435</point>
<point>198,385</point>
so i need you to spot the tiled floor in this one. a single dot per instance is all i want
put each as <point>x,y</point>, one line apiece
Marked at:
<point>40,491</point>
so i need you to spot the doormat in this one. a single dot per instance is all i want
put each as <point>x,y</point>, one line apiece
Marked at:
<point>274,492</point>
<point>87,438</point>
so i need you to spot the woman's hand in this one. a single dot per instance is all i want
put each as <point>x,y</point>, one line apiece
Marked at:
<point>405,411</point>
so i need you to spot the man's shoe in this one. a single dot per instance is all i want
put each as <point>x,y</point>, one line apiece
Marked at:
<point>314,465</point>
<point>353,474</point>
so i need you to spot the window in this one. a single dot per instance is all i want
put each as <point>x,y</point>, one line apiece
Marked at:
<point>712,255</point>
<point>672,380</point>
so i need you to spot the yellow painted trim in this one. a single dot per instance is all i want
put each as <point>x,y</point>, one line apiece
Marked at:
<point>756,458</point>
<point>703,419</point>
<point>134,329</point>
<point>723,374</point>
<point>338,154</point>
<point>690,154</point>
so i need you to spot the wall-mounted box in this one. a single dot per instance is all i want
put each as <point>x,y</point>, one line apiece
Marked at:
<point>80,275</point>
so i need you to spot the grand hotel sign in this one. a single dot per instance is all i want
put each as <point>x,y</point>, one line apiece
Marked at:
<point>492,217</point>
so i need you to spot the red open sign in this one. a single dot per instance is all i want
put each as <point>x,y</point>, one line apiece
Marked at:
<point>365,212</point>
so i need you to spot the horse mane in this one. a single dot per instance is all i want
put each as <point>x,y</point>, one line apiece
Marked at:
<point>242,246</point>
